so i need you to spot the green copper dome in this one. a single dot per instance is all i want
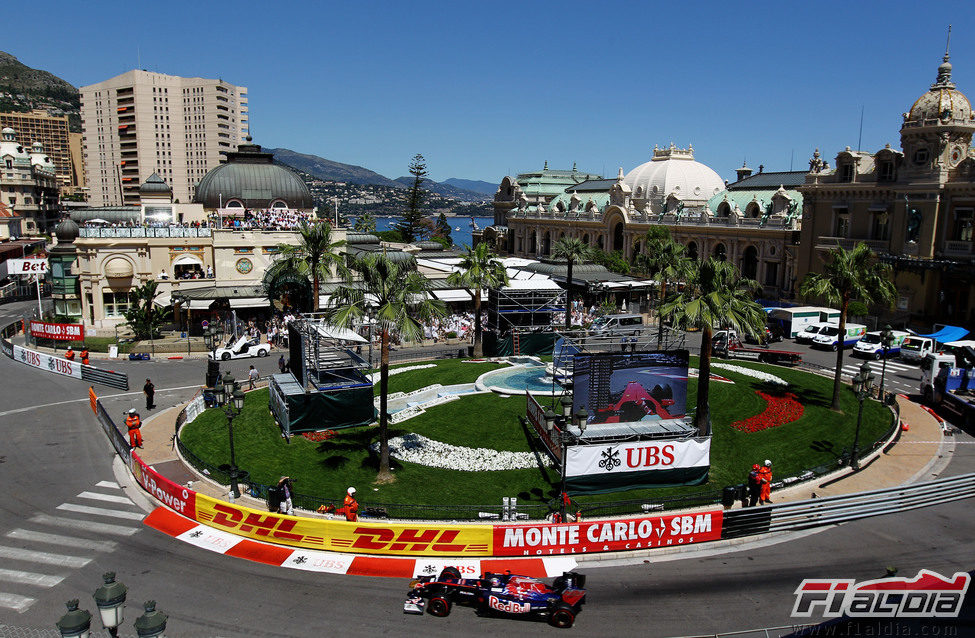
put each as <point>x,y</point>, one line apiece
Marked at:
<point>252,178</point>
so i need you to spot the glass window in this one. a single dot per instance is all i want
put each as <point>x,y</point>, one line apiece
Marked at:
<point>962,230</point>
<point>880,228</point>
<point>116,303</point>
<point>841,225</point>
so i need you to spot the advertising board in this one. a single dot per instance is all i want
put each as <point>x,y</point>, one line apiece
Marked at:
<point>653,463</point>
<point>630,387</point>
<point>47,362</point>
<point>57,331</point>
<point>547,539</point>
<point>26,266</point>
<point>181,500</point>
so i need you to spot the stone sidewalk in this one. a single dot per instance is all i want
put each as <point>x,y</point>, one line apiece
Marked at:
<point>911,458</point>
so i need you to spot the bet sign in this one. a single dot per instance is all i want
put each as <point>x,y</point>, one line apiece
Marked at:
<point>26,267</point>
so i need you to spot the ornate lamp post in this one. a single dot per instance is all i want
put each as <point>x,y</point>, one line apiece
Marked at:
<point>76,623</point>
<point>151,624</point>
<point>886,341</point>
<point>110,598</point>
<point>231,399</point>
<point>212,337</point>
<point>862,383</point>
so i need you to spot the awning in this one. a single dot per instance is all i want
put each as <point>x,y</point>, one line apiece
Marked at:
<point>188,260</point>
<point>250,302</point>
<point>452,295</point>
<point>947,334</point>
<point>200,304</point>
<point>163,301</point>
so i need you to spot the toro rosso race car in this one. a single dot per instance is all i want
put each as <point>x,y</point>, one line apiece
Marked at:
<point>506,595</point>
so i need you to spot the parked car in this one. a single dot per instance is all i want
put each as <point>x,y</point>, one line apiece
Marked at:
<point>241,349</point>
<point>505,595</point>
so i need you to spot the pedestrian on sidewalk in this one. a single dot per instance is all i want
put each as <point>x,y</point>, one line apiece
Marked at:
<point>285,491</point>
<point>281,364</point>
<point>134,424</point>
<point>754,486</point>
<point>765,475</point>
<point>150,391</point>
<point>252,377</point>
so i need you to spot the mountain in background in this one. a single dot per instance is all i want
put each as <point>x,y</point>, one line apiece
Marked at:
<point>474,185</point>
<point>329,171</point>
<point>23,88</point>
<point>443,188</point>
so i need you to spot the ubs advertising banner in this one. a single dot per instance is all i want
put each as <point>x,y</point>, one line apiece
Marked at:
<point>655,463</point>
<point>607,536</point>
<point>49,363</point>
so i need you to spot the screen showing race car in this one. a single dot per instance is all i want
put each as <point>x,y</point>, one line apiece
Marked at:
<point>630,387</point>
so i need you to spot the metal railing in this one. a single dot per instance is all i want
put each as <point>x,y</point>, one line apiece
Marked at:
<point>139,231</point>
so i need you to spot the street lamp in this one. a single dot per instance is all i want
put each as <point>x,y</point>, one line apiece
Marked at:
<point>212,337</point>
<point>76,623</point>
<point>886,341</point>
<point>151,624</point>
<point>231,399</point>
<point>862,384</point>
<point>110,598</point>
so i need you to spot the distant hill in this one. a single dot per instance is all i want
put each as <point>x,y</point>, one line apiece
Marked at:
<point>474,185</point>
<point>443,188</point>
<point>23,88</point>
<point>329,171</point>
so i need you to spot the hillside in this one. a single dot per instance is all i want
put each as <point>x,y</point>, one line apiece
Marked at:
<point>329,171</point>
<point>23,88</point>
<point>474,185</point>
<point>445,189</point>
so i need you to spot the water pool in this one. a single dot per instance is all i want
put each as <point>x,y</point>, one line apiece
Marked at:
<point>518,379</point>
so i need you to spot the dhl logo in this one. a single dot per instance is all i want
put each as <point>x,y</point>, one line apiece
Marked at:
<point>408,540</point>
<point>252,523</point>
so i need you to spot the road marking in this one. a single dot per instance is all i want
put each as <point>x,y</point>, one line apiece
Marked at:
<point>112,484</point>
<point>29,578</point>
<point>88,526</point>
<point>86,399</point>
<point>101,511</point>
<point>15,602</point>
<point>110,498</point>
<point>58,539</point>
<point>33,556</point>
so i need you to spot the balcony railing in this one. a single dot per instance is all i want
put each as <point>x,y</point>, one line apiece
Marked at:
<point>826,243</point>
<point>163,231</point>
<point>954,248</point>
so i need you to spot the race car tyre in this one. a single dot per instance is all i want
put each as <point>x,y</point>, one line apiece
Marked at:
<point>439,606</point>
<point>450,572</point>
<point>562,616</point>
<point>262,353</point>
<point>225,356</point>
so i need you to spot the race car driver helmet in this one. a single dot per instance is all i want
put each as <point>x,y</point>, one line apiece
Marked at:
<point>351,491</point>
<point>495,582</point>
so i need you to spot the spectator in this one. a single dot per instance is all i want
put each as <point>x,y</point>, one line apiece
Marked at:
<point>252,376</point>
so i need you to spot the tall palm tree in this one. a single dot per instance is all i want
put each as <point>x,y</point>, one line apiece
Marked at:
<point>849,275</point>
<point>664,260</point>
<point>480,270</point>
<point>714,293</point>
<point>402,307</point>
<point>315,256</point>
<point>571,249</point>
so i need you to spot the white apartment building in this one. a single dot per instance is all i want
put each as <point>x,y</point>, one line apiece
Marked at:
<point>140,123</point>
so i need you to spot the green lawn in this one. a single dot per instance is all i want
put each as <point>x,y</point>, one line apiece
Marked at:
<point>491,421</point>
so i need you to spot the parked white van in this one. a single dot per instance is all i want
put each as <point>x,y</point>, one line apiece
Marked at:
<point>830,338</point>
<point>871,345</point>
<point>618,324</point>
<point>807,334</point>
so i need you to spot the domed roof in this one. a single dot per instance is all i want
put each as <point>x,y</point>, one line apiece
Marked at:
<point>252,178</point>
<point>942,101</point>
<point>673,170</point>
<point>155,185</point>
<point>67,231</point>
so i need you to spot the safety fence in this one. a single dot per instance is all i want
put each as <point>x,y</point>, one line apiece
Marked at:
<point>122,447</point>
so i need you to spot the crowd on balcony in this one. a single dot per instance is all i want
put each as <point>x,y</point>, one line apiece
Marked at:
<point>268,219</point>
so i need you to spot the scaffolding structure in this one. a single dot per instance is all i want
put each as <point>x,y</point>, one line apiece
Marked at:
<point>524,306</point>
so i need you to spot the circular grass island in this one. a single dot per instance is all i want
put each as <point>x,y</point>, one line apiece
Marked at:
<point>758,412</point>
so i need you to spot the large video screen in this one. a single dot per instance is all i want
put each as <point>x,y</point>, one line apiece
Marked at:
<point>630,387</point>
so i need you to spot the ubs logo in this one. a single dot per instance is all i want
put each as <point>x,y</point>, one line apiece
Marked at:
<point>610,460</point>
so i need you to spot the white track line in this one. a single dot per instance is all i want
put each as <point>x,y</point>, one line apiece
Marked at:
<point>64,541</point>
<point>29,578</point>
<point>109,498</point>
<point>111,484</point>
<point>15,602</point>
<point>45,558</point>
<point>101,511</point>
<point>88,526</point>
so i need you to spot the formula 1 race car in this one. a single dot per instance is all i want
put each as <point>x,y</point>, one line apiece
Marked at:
<point>506,595</point>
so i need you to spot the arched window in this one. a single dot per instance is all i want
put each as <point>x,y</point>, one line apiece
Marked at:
<point>546,243</point>
<point>585,239</point>
<point>724,209</point>
<point>720,252</point>
<point>749,263</point>
<point>600,243</point>
<point>234,203</point>
<point>753,210</point>
<point>279,203</point>
<point>692,250</point>
<point>533,244</point>
<point>618,236</point>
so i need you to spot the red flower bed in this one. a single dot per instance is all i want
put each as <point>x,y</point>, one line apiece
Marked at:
<point>779,410</point>
<point>323,435</point>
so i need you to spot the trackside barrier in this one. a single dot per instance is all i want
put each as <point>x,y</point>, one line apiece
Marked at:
<point>121,446</point>
<point>817,512</point>
<point>60,365</point>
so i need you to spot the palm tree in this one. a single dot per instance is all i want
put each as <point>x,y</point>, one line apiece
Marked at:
<point>571,249</point>
<point>714,293</point>
<point>664,260</point>
<point>402,307</point>
<point>849,275</point>
<point>314,256</point>
<point>480,269</point>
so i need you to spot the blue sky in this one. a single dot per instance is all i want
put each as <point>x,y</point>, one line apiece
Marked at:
<point>485,89</point>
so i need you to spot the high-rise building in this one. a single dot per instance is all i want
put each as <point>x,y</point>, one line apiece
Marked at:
<point>52,132</point>
<point>140,123</point>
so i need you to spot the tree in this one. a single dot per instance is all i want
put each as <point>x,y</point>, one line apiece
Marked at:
<point>314,256</point>
<point>141,317</point>
<point>410,223</point>
<point>397,292</point>
<point>849,275</point>
<point>614,261</point>
<point>480,269</point>
<point>714,293</point>
<point>663,260</point>
<point>571,249</point>
<point>442,229</point>
<point>365,223</point>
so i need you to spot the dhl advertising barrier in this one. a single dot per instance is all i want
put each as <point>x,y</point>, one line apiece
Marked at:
<point>442,539</point>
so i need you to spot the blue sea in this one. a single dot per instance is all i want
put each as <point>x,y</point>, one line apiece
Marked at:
<point>460,237</point>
